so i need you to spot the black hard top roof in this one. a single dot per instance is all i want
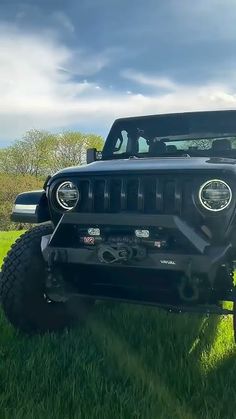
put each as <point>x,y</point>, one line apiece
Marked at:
<point>185,115</point>
<point>223,121</point>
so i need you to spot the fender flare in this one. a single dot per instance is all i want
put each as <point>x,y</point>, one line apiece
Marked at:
<point>31,207</point>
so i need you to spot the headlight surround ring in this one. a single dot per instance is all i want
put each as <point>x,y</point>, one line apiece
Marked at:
<point>224,197</point>
<point>71,195</point>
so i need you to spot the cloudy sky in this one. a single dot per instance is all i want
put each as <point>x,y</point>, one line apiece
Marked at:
<point>80,64</point>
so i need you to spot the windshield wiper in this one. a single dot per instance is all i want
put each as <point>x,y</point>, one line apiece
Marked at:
<point>133,157</point>
<point>126,156</point>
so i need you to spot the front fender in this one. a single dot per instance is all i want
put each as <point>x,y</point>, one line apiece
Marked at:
<point>31,207</point>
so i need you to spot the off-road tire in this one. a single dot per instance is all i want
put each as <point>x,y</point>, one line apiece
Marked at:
<point>234,320</point>
<point>22,290</point>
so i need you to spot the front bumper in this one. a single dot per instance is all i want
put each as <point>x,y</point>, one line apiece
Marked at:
<point>161,276</point>
<point>64,245</point>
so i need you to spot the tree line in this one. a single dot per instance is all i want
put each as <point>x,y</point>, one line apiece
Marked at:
<point>39,153</point>
<point>26,163</point>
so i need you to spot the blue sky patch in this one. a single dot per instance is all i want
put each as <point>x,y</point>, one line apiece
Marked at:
<point>81,64</point>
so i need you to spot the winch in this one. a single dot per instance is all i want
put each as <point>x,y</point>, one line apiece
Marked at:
<point>114,247</point>
<point>120,253</point>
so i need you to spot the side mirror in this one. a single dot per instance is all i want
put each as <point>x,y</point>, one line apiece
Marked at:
<point>91,155</point>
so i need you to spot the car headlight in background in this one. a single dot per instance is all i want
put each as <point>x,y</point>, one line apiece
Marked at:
<point>67,195</point>
<point>215,195</point>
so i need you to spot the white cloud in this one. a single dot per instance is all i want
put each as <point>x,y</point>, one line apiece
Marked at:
<point>84,64</point>
<point>38,90</point>
<point>157,82</point>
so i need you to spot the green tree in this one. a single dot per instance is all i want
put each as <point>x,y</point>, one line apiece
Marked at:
<point>40,153</point>
<point>71,148</point>
<point>14,159</point>
<point>38,147</point>
<point>30,155</point>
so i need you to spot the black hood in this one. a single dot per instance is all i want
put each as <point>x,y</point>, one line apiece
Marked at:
<point>147,165</point>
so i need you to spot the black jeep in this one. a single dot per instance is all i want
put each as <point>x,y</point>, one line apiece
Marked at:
<point>151,221</point>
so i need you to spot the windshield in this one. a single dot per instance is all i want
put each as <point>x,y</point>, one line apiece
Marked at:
<point>153,138</point>
<point>158,146</point>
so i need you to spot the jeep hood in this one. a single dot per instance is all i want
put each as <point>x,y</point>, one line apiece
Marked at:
<point>139,165</point>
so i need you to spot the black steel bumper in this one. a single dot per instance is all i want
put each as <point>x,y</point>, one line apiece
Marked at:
<point>205,258</point>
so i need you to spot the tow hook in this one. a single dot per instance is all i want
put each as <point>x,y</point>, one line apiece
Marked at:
<point>189,289</point>
<point>189,285</point>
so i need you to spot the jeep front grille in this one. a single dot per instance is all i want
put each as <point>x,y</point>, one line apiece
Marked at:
<point>145,194</point>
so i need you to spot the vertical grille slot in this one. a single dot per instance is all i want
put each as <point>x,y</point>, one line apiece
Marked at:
<point>99,191</point>
<point>149,190</point>
<point>115,195</point>
<point>178,196</point>
<point>159,195</point>
<point>123,195</point>
<point>187,192</point>
<point>132,195</point>
<point>169,196</point>
<point>107,195</point>
<point>84,189</point>
<point>140,194</point>
<point>90,196</point>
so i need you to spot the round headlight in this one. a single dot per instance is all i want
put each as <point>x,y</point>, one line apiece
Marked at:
<point>215,195</point>
<point>67,195</point>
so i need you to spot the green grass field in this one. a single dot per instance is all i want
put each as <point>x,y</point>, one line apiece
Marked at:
<point>128,362</point>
